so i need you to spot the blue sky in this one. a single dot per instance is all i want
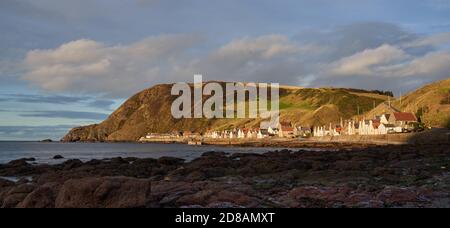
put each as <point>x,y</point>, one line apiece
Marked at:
<point>69,63</point>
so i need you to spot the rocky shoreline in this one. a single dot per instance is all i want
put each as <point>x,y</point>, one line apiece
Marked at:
<point>373,176</point>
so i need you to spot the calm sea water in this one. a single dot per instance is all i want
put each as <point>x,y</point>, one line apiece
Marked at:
<point>44,152</point>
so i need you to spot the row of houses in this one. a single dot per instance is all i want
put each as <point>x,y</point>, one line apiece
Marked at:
<point>282,130</point>
<point>237,134</point>
<point>397,122</point>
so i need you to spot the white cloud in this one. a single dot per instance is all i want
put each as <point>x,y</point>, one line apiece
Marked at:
<point>76,52</point>
<point>91,67</point>
<point>431,65</point>
<point>265,47</point>
<point>87,66</point>
<point>363,63</point>
<point>271,58</point>
<point>433,40</point>
<point>391,62</point>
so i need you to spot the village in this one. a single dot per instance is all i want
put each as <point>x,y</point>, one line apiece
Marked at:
<point>393,123</point>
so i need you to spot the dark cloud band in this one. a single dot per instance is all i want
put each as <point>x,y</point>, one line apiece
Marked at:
<point>66,115</point>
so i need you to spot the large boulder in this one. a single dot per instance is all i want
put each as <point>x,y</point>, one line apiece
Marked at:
<point>42,197</point>
<point>16,195</point>
<point>108,192</point>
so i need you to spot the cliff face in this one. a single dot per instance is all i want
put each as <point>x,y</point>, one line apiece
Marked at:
<point>150,111</point>
<point>147,111</point>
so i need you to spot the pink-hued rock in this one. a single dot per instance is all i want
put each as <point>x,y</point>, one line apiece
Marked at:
<point>382,176</point>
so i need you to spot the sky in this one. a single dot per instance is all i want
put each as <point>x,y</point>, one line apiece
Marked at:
<point>66,63</point>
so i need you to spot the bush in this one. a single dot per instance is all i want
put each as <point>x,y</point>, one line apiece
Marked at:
<point>446,101</point>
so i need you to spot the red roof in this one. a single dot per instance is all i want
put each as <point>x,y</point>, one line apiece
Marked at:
<point>376,125</point>
<point>285,124</point>
<point>405,116</point>
<point>287,128</point>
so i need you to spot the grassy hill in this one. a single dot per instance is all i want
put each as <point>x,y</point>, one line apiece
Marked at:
<point>150,111</point>
<point>430,103</point>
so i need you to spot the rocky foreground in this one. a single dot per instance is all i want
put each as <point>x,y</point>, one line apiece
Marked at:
<point>393,176</point>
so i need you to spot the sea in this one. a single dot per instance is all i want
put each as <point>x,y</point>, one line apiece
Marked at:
<point>44,152</point>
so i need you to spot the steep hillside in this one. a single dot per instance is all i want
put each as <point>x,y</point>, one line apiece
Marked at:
<point>149,111</point>
<point>383,108</point>
<point>430,103</point>
<point>310,107</point>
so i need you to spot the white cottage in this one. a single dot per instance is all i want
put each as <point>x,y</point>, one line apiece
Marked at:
<point>384,119</point>
<point>272,131</point>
